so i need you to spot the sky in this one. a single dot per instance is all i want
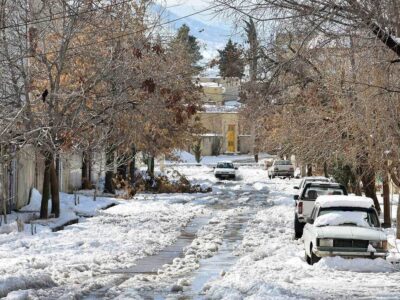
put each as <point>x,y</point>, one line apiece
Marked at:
<point>182,7</point>
<point>211,31</point>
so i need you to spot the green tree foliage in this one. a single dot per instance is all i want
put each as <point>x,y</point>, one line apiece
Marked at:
<point>231,62</point>
<point>190,43</point>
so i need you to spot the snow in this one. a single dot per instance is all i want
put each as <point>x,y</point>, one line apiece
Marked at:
<point>270,264</point>
<point>345,201</point>
<point>186,157</point>
<point>377,265</point>
<point>114,239</point>
<point>209,108</point>
<point>343,217</point>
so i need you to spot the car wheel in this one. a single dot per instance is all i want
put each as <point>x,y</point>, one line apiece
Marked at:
<point>313,259</point>
<point>307,258</point>
<point>298,228</point>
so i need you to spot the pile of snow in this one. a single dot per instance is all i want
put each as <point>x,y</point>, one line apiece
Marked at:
<point>71,209</point>
<point>344,201</point>
<point>81,253</point>
<point>209,108</point>
<point>377,265</point>
<point>343,217</point>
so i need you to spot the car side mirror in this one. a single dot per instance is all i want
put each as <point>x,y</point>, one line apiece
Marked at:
<point>296,187</point>
<point>296,197</point>
<point>236,168</point>
<point>310,220</point>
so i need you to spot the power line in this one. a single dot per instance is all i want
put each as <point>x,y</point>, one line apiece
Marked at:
<point>50,18</point>
<point>122,35</point>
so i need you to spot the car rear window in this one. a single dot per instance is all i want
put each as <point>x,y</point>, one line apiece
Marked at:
<point>312,192</point>
<point>225,165</point>
<point>283,162</point>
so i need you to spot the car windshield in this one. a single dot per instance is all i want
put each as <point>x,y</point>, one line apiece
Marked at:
<point>283,162</point>
<point>347,216</point>
<point>225,165</point>
<point>312,192</point>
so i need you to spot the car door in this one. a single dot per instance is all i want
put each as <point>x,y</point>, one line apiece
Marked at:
<point>308,233</point>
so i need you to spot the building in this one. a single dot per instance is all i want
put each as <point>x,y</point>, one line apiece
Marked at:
<point>226,130</point>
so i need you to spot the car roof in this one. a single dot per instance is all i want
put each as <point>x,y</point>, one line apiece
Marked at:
<point>316,178</point>
<point>344,201</point>
<point>225,161</point>
<point>323,183</point>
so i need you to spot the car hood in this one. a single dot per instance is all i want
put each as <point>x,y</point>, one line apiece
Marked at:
<point>350,232</point>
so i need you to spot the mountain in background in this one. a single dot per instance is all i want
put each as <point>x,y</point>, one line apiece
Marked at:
<point>211,37</point>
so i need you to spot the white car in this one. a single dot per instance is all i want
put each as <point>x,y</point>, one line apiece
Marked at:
<point>225,169</point>
<point>283,168</point>
<point>305,200</point>
<point>308,179</point>
<point>345,226</point>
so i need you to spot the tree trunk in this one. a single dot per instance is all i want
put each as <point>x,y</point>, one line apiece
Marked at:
<point>122,170</point>
<point>150,167</point>
<point>109,185</point>
<point>309,170</point>
<point>386,201</point>
<point>55,191</point>
<point>368,181</point>
<point>356,186</point>
<point>85,170</point>
<point>398,220</point>
<point>326,170</point>
<point>44,207</point>
<point>132,165</point>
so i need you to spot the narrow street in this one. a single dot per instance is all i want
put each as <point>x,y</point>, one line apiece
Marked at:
<point>234,243</point>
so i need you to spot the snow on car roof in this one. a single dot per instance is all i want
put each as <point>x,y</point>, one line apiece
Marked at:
<point>345,201</point>
<point>324,183</point>
<point>316,178</point>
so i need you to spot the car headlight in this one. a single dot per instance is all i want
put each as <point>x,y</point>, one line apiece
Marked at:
<point>326,242</point>
<point>379,244</point>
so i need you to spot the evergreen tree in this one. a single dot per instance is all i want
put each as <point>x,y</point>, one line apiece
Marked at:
<point>190,42</point>
<point>231,62</point>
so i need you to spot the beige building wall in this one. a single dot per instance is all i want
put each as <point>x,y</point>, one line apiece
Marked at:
<point>218,124</point>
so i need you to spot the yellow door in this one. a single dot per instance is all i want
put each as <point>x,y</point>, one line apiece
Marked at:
<point>231,138</point>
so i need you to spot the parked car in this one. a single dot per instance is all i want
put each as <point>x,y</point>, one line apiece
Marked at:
<point>304,202</point>
<point>281,168</point>
<point>225,169</point>
<point>308,179</point>
<point>345,226</point>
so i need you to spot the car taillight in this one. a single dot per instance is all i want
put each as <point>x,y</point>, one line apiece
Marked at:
<point>300,208</point>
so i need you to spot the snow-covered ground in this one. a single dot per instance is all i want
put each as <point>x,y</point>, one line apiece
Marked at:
<point>186,157</point>
<point>247,230</point>
<point>71,261</point>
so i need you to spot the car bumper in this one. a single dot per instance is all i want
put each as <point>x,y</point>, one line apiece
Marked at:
<point>282,173</point>
<point>346,252</point>
<point>225,175</point>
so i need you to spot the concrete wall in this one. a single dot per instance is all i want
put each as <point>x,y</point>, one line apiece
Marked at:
<point>26,172</point>
<point>217,124</point>
<point>71,172</point>
<point>25,175</point>
<point>245,144</point>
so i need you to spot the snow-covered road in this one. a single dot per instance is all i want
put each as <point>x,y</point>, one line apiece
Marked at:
<point>237,244</point>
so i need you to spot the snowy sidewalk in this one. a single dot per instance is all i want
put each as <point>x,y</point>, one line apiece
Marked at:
<point>54,264</point>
